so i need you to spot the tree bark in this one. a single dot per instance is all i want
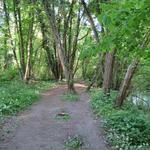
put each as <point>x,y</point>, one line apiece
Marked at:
<point>21,38</point>
<point>126,83</point>
<point>130,72</point>
<point>52,57</point>
<point>96,36</point>
<point>91,21</point>
<point>60,48</point>
<point>29,47</point>
<point>10,37</point>
<point>108,71</point>
<point>116,75</point>
<point>17,15</point>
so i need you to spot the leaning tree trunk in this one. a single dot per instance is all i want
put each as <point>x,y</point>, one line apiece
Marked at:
<point>108,71</point>
<point>130,72</point>
<point>126,83</point>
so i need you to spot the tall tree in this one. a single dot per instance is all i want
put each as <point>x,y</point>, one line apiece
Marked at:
<point>7,18</point>
<point>18,21</point>
<point>29,43</point>
<point>67,54</point>
<point>99,68</point>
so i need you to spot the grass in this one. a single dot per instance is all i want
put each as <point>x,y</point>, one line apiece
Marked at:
<point>73,143</point>
<point>127,128</point>
<point>15,96</point>
<point>72,97</point>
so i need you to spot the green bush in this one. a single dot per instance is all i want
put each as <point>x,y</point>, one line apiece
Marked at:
<point>127,128</point>
<point>8,74</point>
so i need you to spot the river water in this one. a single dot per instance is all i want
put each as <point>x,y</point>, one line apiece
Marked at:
<point>141,99</point>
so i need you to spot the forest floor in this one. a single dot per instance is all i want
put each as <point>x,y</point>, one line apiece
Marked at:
<point>38,129</point>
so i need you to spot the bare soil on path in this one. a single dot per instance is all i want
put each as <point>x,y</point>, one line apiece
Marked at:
<point>38,128</point>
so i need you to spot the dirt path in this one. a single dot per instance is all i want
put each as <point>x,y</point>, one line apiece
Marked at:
<point>38,130</point>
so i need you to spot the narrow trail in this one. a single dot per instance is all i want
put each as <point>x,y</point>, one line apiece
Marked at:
<point>38,130</point>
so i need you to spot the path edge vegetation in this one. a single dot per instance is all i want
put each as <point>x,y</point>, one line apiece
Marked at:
<point>127,128</point>
<point>61,40</point>
<point>17,96</point>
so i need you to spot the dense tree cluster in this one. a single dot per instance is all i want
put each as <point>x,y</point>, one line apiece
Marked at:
<point>103,42</point>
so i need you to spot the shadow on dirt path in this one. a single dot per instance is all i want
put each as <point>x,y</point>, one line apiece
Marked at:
<point>39,130</point>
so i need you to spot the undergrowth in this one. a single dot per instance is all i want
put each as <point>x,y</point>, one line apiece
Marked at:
<point>127,128</point>
<point>15,96</point>
<point>73,143</point>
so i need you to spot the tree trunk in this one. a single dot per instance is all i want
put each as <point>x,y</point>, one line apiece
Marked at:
<point>126,83</point>
<point>11,39</point>
<point>52,58</point>
<point>98,69</point>
<point>29,47</point>
<point>17,15</point>
<point>130,72</point>
<point>108,71</point>
<point>70,83</point>
<point>60,48</point>
<point>21,39</point>
<point>91,21</point>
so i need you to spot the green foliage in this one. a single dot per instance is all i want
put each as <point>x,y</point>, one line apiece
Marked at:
<point>88,48</point>
<point>73,143</point>
<point>101,102</point>
<point>141,81</point>
<point>125,23</point>
<point>72,97</point>
<point>15,96</point>
<point>8,74</point>
<point>127,128</point>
